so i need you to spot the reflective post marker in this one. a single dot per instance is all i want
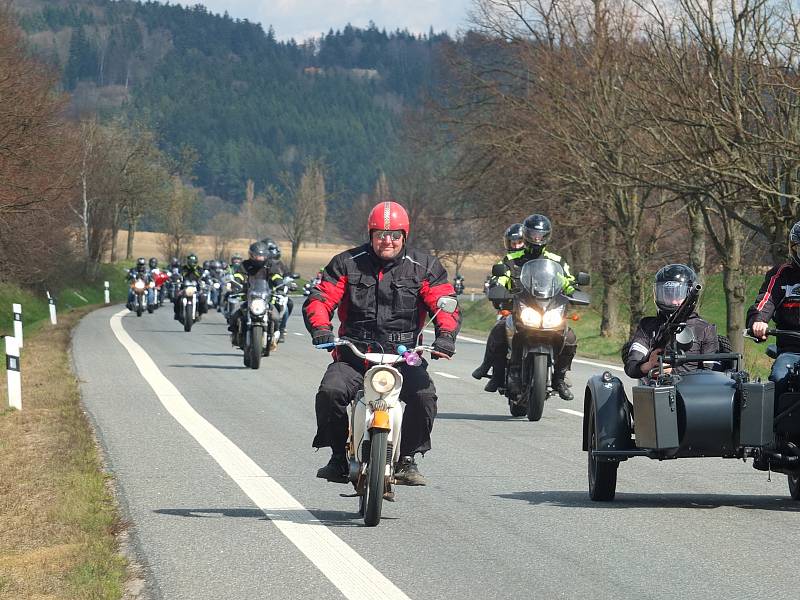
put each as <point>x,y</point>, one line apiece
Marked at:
<point>12,369</point>
<point>17,308</point>
<point>52,302</point>
<point>107,292</point>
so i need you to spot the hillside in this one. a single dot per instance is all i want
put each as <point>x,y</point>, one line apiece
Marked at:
<point>250,105</point>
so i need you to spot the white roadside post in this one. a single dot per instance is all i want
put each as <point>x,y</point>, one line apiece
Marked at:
<point>17,308</point>
<point>52,302</point>
<point>14,376</point>
<point>107,292</point>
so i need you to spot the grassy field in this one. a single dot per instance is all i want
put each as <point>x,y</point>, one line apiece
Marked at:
<point>57,533</point>
<point>479,316</point>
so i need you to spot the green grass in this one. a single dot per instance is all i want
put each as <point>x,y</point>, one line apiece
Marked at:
<point>479,316</point>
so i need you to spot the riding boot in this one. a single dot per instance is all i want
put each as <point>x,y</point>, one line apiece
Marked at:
<point>498,379</point>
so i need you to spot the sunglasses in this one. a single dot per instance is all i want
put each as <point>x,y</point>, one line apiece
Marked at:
<point>381,234</point>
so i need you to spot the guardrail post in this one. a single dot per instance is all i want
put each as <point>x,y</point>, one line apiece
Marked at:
<point>14,376</point>
<point>17,308</point>
<point>107,292</point>
<point>472,297</point>
<point>52,302</point>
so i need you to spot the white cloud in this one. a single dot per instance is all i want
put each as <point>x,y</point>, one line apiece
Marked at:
<point>301,19</point>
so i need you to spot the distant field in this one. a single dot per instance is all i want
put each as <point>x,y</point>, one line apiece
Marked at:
<point>310,259</point>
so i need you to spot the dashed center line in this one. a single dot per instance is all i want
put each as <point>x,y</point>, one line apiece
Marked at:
<point>569,411</point>
<point>447,375</point>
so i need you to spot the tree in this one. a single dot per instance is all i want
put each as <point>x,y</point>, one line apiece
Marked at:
<point>178,218</point>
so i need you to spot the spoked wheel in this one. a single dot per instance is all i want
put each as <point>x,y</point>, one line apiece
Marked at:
<point>372,501</point>
<point>187,318</point>
<point>794,486</point>
<point>255,347</point>
<point>602,474</point>
<point>537,389</point>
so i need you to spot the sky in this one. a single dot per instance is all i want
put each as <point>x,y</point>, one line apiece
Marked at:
<point>302,19</point>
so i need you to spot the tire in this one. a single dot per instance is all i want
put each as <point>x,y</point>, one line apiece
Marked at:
<point>517,410</point>
<point>794,486</point>
<point>376,471</point>
<point>602,474</point>
<point>254,349</point>
<point>139,308</point>
<point>187,318</point>
<point>537,388</point>
<point>150,308</point>
<point>270,331</point>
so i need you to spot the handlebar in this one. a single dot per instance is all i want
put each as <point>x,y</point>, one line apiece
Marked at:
<point>772,332</point>
<point>359,354</point>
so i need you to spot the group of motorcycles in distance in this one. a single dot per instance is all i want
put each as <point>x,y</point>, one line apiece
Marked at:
<point>256,312</point>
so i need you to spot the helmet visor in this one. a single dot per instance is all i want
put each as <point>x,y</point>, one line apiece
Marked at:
<point>537,237</point>
<point>669,295</point>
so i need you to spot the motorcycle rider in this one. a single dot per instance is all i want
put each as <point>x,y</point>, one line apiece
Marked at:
<point>536,232</point>
<point>671,285</point>
<point>275,253</point>
<point>139,272</point>
<point>259,265</point>
<point>779,300</point>
<point>382,290</point>
<point>497,342</point>
<point>191,270</point>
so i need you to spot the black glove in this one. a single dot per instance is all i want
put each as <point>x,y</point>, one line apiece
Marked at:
<point>322,336</point>
<point>445,344</point>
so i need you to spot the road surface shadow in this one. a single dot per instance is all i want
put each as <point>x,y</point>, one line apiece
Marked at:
<point>329,518</point>
<point>476,417</point>
<point>210,367</point>
<point>574,499</point>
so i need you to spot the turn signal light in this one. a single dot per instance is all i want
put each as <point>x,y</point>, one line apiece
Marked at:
<point>575,316</point>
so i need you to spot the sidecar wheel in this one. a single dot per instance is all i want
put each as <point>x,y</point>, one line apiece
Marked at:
<point>602,474</point>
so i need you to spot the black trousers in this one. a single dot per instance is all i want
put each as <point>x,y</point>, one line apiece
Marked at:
<point>497,350</point>
<point>341,382</point>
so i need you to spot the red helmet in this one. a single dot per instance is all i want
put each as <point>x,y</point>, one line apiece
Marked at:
<point>388,215</point>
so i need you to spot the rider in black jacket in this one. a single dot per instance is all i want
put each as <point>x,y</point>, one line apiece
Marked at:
<point>779,300</point>
<point>669,290</point>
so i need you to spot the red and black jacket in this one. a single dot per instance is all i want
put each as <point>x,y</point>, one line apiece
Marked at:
<point>382,301</point>
<point>779,300</point>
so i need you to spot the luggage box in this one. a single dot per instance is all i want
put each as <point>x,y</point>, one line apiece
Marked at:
<point>655,417</point>
<point>756,413</point>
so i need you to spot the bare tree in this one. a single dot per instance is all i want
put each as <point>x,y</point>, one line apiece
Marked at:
<point>178,216</point>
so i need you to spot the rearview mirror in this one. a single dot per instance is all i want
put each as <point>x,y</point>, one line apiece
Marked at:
<point>583,278</point>
<point>580,299</point>
<point>499,270</point>
<point>447,304</point>
<point>685,337</point>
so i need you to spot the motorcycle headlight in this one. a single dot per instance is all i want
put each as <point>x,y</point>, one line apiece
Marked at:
<point>383,381</point>
<point>258,306</point>
<point>228,285</point>
<point>553,318</point>
<point>530,317</point>
<point>152,284</point>
<point>216,285</point>
<point>190,290</point>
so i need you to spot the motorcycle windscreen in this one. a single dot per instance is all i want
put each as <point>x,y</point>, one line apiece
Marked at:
<point>258,286</point>
<point>542,278</point>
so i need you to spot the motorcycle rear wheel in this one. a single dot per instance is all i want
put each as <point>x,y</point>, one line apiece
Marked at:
<point>372,501</point>
<point>794,486</point>
<point>537,389</point>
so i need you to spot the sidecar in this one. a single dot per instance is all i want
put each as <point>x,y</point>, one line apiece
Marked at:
<point>704,413</point>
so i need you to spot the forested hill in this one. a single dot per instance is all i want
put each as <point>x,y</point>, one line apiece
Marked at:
<point>250,105</point>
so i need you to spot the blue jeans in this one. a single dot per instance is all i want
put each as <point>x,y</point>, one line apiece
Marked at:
<point>780,371</point>
<point>285,318</point>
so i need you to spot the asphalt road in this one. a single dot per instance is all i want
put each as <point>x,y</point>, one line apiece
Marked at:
<point>505,515</point>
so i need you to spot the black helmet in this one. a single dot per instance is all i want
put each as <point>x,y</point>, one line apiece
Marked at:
<point>259,251</point>
<point>191,260</point>
<point>216,265</point>
<point>223,265</point>
<point>512,238</point>
<point>274,251</point>
<point>236,259</point>
<point>153,263</point>
<point>174,262</point>
<point>671,286</point>
<point>141,263</point>
<point>536,231</point>
<point>794,241</point>
<point>206,265</point>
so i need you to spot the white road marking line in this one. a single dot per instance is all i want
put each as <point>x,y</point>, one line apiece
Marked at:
<point>300,334</point>
<point>352,575</point>
<point>447,375</point>
<point>575,360</point>
<point>569,411</point>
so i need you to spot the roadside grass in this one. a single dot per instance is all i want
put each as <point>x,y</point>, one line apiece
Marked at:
<point>57,534</point>
<point>479,316</point>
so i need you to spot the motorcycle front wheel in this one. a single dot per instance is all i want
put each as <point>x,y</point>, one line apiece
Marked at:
<point>537,389</point>
<point>255,346</point>
<point>372,500</point>
<point>187,318</point>
<point>139,308</point>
